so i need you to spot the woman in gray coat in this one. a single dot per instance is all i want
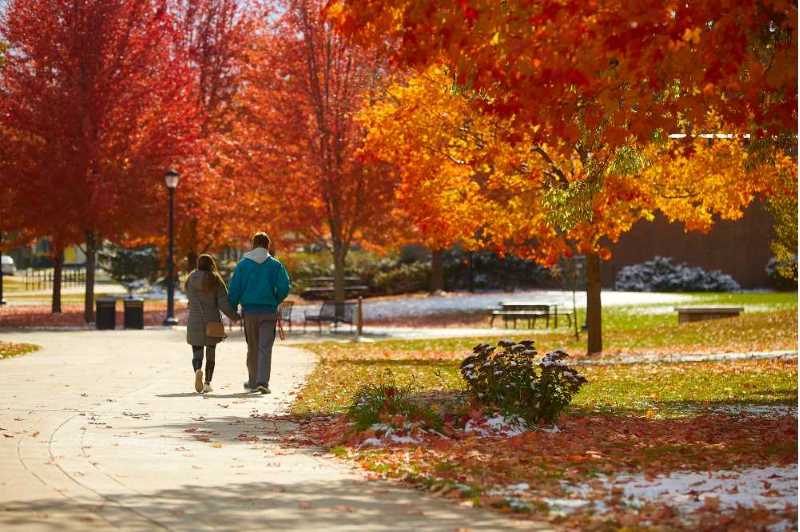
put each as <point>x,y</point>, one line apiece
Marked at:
<point>207,296</point>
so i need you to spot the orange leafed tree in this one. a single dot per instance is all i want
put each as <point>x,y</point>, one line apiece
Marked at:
<point>546,200</point>
<point>303,91</point>
<point>590,86</point>
<point>413,127</point>
<point>215,36</point>
<point>97,96</point>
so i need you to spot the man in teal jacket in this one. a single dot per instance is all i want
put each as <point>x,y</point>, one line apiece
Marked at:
<point>259,283</point>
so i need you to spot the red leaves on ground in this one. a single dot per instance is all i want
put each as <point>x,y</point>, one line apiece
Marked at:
<point>27,316</point>
<point>587,445</point>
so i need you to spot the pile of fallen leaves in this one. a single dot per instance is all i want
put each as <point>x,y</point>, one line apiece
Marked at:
<point>10,349</point>
<point>40,316</point>
<point>484,459</point>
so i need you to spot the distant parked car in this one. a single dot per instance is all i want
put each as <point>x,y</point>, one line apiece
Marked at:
<point>8,266</point>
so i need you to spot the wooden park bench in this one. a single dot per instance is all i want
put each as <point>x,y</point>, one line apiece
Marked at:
<point>513,311</point>
<point>285,313</point>
<point>332,312</point>
<point>322,287</point>
<point>690,314</point>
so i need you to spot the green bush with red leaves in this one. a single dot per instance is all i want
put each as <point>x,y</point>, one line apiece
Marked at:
<point>376,403</point>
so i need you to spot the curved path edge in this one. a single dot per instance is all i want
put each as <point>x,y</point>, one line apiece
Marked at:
<point>102,429</point>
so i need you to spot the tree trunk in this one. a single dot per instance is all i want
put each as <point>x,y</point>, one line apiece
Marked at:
<point>58,268</point>
<point>593,305</point>
<point>471,279</point>
<point>91,262</point>
<point>437,270</point>
<point>338,274</point>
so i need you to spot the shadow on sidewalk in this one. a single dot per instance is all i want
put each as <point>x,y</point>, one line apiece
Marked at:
<point>212,395</point>
<point>300,505</point>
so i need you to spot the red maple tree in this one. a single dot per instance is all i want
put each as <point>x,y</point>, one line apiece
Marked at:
<point>215,36</point>
<point>304,89</point>
<point>97,103</point>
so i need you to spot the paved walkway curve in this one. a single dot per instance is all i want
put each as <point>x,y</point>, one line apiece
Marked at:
<point>103,430</point>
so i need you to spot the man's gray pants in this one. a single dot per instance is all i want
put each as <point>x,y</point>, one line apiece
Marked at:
<point>259,331</point>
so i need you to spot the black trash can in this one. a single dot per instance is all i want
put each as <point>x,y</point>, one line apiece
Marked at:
<point>134,312</point>
<point>106,313</point>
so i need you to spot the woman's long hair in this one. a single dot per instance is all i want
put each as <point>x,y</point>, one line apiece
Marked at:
<point>206,263</point>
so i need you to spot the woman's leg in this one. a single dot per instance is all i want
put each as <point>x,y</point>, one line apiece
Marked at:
<point>210,360</point>
<point>197,363</point>
<point>197,357</point>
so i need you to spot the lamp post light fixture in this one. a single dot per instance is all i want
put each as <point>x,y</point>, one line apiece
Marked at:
<point>171,179</point>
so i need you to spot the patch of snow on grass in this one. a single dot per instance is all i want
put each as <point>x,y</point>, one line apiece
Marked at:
<point>413,306</point>
<point>496,426</point>
<point>771,487</point>
<point>386,433</point>
<point>757,410</point>
<point>519,488</point>
<point>567,506</point>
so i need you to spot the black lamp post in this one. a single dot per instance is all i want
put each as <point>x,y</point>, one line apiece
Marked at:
<point>171,179</point>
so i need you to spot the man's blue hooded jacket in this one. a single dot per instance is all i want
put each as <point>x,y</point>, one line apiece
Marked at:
<point>260,282</point>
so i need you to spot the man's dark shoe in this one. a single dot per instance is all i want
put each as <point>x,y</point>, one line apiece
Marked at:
<point>263,389</point>
<point>249,387</point>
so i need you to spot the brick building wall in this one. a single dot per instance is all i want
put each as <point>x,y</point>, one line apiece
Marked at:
<point>739,248</point>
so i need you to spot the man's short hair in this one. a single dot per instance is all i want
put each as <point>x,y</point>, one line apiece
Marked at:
<point>261,240</point>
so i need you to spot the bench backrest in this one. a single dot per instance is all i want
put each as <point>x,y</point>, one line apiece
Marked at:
<point>532,308</point>
<point>341,311</point>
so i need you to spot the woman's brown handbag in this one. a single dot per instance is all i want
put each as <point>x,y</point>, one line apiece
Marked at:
<point>215,329</point>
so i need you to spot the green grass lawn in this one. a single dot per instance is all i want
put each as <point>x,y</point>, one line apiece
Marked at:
<point>433,364</point>
<point>768,323</point>
<point>8,349</point>
<point>652,389</point>
<point>649,418</point>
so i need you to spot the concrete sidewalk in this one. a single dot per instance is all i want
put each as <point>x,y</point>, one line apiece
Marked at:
<point>103,430</point>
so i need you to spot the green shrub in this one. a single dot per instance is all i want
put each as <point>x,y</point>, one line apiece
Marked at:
<point>508,377</point>
<point>377,403</point>
<point>132,268</point>
<point>413,277</point>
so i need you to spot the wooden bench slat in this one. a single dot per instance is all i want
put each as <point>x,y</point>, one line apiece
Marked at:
<point>690,314</point>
